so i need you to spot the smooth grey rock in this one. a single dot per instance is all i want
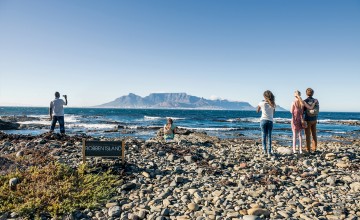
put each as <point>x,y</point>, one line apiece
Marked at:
<point>13,182</point>
<point>189,159</point>
<point>114,211</point>
<point>307,163</point>
<point>355,187</point>
<point>331,181</point>
<point>20,154</point>
<point>284,150</point>
<point>142,214</point>
<point>251,217</point>
<point>193,206</point>
<point>128,186</point>
<point>165,212</point>
<point>179,179</point>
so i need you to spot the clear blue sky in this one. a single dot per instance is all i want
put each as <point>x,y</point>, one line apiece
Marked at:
<point>96,51</point>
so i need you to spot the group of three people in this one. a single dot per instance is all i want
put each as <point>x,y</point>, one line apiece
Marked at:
<point>304,117</point>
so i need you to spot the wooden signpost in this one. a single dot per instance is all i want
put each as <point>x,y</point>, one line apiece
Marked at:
<point>103,149</point>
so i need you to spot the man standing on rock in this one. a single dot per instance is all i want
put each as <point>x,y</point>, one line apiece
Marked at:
<point>57,112</point>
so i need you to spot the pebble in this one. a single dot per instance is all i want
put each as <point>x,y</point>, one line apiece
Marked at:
<point>114,211</point>
<point>13,182</point>
<point>251,217</point>
<point>193,206</point>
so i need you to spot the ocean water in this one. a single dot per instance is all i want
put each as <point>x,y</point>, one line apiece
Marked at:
<point>144,123</point>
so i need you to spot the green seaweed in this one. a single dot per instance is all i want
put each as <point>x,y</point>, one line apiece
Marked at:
<point>55,189</point>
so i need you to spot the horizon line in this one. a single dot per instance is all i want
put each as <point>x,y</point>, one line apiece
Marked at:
<point>203,109</point>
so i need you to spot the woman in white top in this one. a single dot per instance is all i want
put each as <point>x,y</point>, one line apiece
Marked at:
<point>267,108</point>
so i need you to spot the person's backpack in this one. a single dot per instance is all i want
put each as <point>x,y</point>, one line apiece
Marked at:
<point>312,112</point>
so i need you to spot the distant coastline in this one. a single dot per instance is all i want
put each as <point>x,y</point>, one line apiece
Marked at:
<point>177,101</point>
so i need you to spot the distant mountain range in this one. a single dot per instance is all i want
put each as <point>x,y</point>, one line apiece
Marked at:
<point>176,100</point>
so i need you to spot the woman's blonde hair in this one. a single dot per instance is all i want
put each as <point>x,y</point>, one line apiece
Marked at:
<point>299,102</point>
<point>270,98</point>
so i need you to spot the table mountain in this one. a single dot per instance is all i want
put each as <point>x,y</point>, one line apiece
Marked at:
<point>174,100</point>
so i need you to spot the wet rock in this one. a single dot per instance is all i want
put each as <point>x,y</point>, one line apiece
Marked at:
<point>4,125</point>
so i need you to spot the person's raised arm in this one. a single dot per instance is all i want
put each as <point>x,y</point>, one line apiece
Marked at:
<point>66,101</point>
<point>312,106</point>
<point>306,104</point>
<point>258,109</point>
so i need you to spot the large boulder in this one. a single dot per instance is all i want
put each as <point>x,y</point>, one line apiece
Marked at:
<point>4,125</point>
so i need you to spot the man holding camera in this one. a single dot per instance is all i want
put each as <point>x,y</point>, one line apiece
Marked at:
<point>57,112</point>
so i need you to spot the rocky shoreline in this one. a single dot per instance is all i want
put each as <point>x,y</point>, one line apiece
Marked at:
<point>202,177</point>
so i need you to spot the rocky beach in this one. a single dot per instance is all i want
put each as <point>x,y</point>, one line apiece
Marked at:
<point>198,176</point>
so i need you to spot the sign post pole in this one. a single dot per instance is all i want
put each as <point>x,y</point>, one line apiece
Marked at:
<point>123,152</point>
<point>83,149</point>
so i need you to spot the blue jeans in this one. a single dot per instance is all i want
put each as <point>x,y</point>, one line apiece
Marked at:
<point>266,129</point>
<point>61,123</point>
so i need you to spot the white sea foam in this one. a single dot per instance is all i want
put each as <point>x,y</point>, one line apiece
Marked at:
<point>282,120</point>
<point>330,121</point>
<point>210,129</point>
<point>45,119</point>
<point>39,116</point>
<point>338,132</point>
<point>234,120</point>
<point>134,127</point>
<point>253,120</point>
<point>48,122</point>
<point>92,126</point>
<point>175,118</point>
<point>71,118</point>
<point>152,118</point>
